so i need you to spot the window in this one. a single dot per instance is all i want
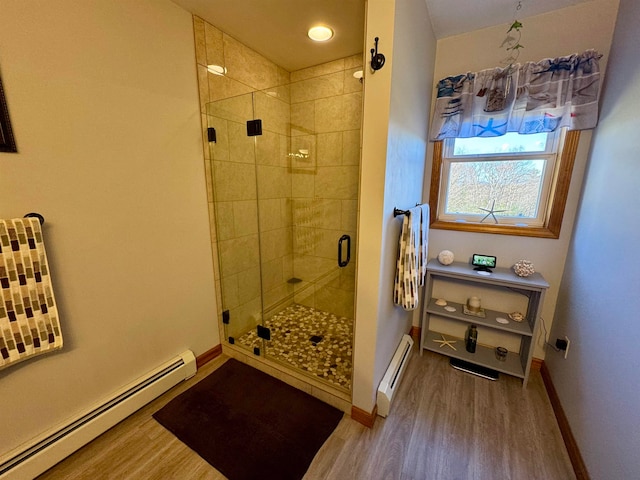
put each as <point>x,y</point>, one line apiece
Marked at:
<point>512,184</point>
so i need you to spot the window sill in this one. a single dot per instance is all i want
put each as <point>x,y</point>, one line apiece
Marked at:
<point>540,232</point>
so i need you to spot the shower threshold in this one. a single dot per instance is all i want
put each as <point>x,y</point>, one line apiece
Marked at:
<point>310,340</point>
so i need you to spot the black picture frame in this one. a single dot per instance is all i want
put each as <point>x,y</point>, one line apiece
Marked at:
<point>7,141</point>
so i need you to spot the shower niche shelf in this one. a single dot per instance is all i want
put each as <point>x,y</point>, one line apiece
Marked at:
<point>534,287</point>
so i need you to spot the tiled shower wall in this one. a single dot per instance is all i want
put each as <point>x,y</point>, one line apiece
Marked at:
<point>305,204</point>
<point>326,109</point>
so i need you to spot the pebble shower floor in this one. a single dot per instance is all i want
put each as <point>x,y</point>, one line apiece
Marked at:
<point>310,340</point>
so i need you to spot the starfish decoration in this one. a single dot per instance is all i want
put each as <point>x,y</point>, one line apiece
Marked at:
<point>489,128</point>
<point>491,212</point>
<point>446,342</point>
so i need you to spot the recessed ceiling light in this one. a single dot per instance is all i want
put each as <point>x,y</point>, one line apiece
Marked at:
<point>216,69</point>
<point>320,33</point>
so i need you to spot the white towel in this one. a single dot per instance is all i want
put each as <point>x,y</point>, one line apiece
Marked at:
<point>424,241</point>
<point>411,261</point>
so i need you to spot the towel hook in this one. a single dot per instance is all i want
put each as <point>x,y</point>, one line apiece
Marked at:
<point>377,59</point>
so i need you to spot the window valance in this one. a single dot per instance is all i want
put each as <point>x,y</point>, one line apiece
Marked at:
<point>530,98</point>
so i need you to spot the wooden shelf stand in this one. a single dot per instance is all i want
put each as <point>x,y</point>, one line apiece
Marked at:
<point>533,287</point>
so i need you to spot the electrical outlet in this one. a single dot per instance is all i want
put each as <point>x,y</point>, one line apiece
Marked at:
<point>566,350</point>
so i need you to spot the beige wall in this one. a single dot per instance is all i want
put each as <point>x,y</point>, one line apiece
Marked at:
<point>104,107</point>
<point>598,381</point>
<point>396,105</point>
<point>569,30</point>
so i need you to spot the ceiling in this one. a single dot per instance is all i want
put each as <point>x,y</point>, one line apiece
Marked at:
<point>277,28</point>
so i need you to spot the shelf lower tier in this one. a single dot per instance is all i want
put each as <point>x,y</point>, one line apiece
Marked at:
<point>484,356</point>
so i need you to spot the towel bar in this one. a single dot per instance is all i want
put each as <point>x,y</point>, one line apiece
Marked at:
<point>36,215</point>
<point>397,211</point>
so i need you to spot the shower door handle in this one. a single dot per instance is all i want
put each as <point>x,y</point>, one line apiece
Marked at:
<point>341,262</point>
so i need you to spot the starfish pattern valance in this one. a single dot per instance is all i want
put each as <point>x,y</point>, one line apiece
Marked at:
<point>533,97</point>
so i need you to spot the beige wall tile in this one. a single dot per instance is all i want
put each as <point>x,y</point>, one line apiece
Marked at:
<point>279,297</point>
<point>349,215</point>
<point>303,214</point>
<point>302,185</point>
<point>220,149</point>
<point>212,221</point>
<point>245,217</point>
<point>304,241</point>
<point>248,66</point>
<point>241,147</point>
<point>224,221</point>
<point>275,244</point>
<point>244,317</point>
<point>204,123</point>
<point>268,149</point>
<point>353,111</point>
<point>317,87</point>
<point>337,182</point>
<point>199,40</point>
<point>275,114</point>
<point>234,181</point>
<point>351,147</point>
<point>272,274</point>
<point>354,61</point>
<point>329,114</point>
<point>271,216</point>
<point>238,108</point>
<point>327,245</point>
<point>303,119</point>
<point>223,87</point>
<point>330,149</point>
<point>303,156</point>
<point>311,268</point>
<point>249,284</point>
<point>238,254</point>
<point>284,77</point>
<point>214,45</point>
<point>335,300</point>
<point>203,87</point>
<point>208,175</point>
<point>273,182</point>
<point>338,113</point>
<point>230,296</point>
<point>351,84</point>
<point>316,71</point>
<point>327,213</point>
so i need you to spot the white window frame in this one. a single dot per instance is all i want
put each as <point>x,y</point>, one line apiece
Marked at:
<point>548,155</point>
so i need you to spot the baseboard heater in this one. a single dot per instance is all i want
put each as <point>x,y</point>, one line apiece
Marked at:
<point>391,378</point>
<point>30,460</point>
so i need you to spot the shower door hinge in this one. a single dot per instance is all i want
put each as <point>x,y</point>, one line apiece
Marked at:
<point>264,332</point>
<point>254,127</point>
<point>226,317</point>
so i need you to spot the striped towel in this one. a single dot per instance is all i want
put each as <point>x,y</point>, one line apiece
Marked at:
<point>411,263</point>
<point>29,323</point>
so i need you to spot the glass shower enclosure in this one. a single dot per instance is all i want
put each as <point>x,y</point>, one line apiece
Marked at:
<point>285,185</point>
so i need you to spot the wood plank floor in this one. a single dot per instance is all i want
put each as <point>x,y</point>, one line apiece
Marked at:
<point>444,424</point>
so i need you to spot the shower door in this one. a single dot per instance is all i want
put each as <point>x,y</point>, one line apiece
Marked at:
<point>235,200</point>
<point>285,196</point>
